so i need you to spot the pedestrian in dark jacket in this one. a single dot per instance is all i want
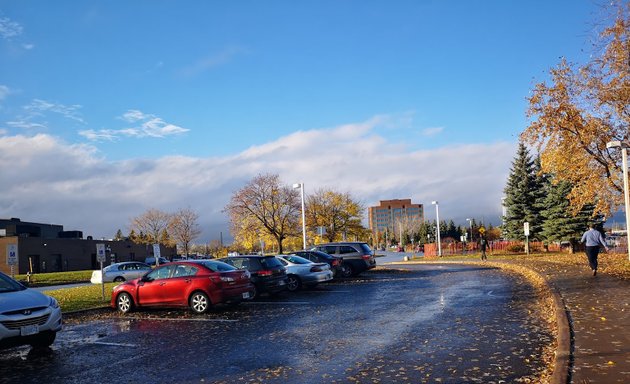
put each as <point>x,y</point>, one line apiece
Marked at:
<point>483,243</point>
<point>593,239</point>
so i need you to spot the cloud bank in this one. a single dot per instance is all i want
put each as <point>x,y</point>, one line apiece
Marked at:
<point>52,181</point>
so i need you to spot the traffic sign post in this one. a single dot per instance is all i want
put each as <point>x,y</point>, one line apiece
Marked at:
<point>12,257</point>
<point>526,231</point>
<point>156,253</point>
<point>100,257</point>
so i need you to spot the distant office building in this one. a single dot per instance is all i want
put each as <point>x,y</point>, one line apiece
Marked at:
<point>389,215</point>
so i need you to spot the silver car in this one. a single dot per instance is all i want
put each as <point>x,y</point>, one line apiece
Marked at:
<point>26,316</point>
<point>303,272</point>
<point>119,272</point>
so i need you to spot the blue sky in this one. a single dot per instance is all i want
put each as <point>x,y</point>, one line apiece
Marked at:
<point>108,108</point>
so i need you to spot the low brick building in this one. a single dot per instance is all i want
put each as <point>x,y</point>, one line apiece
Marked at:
<point>45,248</point>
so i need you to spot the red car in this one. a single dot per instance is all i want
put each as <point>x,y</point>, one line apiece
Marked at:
<point>196,284</point>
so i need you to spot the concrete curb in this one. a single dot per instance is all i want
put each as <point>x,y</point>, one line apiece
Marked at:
<point>562,364</point>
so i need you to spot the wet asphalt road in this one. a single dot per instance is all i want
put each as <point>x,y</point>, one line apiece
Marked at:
<point>423,324</point>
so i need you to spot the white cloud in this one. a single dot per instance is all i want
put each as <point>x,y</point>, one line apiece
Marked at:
<point>9,29</point>
<point>26,124</point>
<point>432,131</point>
<point>53,181</point>
<point>150,126</point>
<point>38,107</point>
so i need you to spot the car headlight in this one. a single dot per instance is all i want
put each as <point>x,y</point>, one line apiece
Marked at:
<point>53,303</point>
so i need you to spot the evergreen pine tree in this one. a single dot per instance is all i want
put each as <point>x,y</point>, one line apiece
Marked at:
<point>559,222</point>
<point>521,194</point>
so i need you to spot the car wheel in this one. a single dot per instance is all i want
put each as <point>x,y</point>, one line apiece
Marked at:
<point>44,339</point>
<point>346,270</point>
<point>199,302</point>
<point>124,302</point>
<point>293,283</point>
<point>119,279</point>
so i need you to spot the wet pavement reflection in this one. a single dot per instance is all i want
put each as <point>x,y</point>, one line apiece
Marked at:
<point>426,323</point>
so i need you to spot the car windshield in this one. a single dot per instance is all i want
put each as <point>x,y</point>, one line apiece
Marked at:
<point>297,259</point>
<point>7,284</point>
<point>270,262</point>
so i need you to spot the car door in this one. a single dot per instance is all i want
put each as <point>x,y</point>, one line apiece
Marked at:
<point>177,287</point>
<point>151,289</point>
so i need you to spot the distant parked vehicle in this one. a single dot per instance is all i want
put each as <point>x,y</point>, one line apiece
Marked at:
<point>303,272</point>
<point>26,316</point>
<point>334,262</point>
<point>196,284</point>
<point>119,272</point>
<point>268,273</point>
<point>357,256</point>
<point>151,261</point>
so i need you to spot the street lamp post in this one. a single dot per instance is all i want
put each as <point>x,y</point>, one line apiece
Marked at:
<point>437,218</point>
<point>471,234</point>
<point>301,186</point>
<point>626,197</point>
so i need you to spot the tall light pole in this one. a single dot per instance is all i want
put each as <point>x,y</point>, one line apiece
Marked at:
<point>437,218</point>
<point>301,186</point>
<point>626,197</point>
<point>470,222</point>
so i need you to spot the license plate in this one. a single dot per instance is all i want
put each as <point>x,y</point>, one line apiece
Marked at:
<point>29,330</point>
<point>281,282</point>
<point>245,295</point>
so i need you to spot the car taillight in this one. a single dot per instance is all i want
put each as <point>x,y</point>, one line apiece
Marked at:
<point>366,257</point>
<point>335,262</point>
<point>316,268</point>
<point>265,272</point>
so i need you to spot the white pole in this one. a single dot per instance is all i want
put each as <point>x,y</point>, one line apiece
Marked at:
<point>624,159</point>
<point>437,217</point>
<point>303,217</point>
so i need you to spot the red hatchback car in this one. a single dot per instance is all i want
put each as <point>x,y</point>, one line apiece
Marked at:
<point>196,284</point>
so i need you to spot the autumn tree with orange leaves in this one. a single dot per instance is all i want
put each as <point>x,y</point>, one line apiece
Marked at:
<point>579,111</point>
<point>265,208</point>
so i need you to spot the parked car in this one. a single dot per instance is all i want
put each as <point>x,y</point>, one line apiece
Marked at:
<point>268,273</point>
<point>119,272</point>
<point>333,262</point>
<point>357,256</point>
<point>151,261</point>
<point>197,284</point>
<point>26,316</point>
<point>303,272</point>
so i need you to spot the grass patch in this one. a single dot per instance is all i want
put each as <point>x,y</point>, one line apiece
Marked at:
<point>79,298</point>
<point>57,278</point>
<point>616,264</point>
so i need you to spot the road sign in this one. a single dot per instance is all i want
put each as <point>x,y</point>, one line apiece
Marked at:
<point>12,254</point>
<point>100,252</point>
<point>526,228</point>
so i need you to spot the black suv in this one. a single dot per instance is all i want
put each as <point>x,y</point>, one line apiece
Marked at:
<point>334,262</point>
<point>267,273</point>
<point>357,256</point>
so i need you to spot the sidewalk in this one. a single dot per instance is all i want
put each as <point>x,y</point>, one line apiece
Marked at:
<point>593,324</point>
<point>598,310</point>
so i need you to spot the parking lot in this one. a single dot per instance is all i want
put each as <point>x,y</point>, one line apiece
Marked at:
<point>428,323</point>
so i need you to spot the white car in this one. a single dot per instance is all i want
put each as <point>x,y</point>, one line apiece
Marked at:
<point>26,315</point>
<point>301,271</point>
<point>119,272</point>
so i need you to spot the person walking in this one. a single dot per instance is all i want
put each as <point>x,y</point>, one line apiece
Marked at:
<point>593,239</point>
<point>484,244</point>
